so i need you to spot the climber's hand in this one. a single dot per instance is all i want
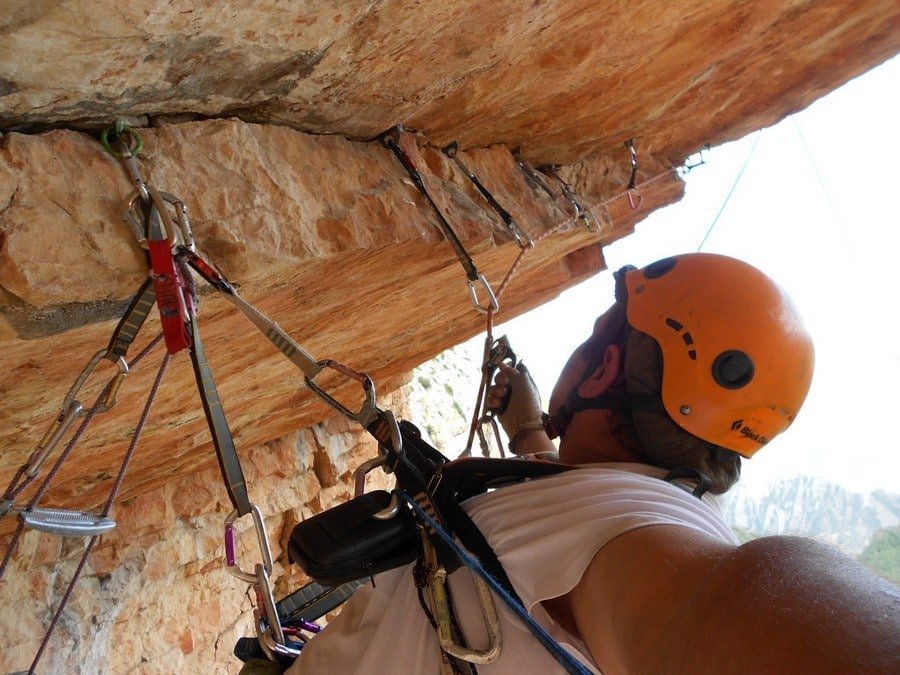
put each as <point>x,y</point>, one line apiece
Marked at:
<point>515,399</point>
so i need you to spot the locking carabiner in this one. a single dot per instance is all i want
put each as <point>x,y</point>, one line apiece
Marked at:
<point>179,232</point>
<point>368,411</point>
<point>259,526</point>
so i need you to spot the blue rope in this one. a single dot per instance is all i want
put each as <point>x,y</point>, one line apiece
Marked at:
<point>565,659</point>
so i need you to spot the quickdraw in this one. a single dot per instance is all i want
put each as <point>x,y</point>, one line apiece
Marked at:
<point>391,140</point>
<point>521,237</point>
<point>581,212</point>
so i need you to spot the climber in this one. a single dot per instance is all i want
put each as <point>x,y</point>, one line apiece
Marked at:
<point>626,560</point>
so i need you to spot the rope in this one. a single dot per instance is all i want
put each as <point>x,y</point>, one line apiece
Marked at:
<point>569,663</point>
<point>734,185</point>
<point>114,492</point>
<point>510,274</point>
<point>42,490</point>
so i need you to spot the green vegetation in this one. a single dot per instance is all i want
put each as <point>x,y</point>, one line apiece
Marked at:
<point>743,535</point>
<point>424,382</point>
<point>883,553</point>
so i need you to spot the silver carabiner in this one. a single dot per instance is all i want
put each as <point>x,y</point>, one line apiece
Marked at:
<point>51,439</point>
<point>368,411</point>
<point>178,231</point>
<point>115,383</point>
<point>493,304</point>
<point>262,539</point>
<point>264,593</point>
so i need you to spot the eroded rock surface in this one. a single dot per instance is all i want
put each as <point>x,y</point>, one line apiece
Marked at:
<point>563,80</point>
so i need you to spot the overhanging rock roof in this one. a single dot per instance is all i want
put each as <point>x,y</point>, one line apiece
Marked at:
<point>260,118</point>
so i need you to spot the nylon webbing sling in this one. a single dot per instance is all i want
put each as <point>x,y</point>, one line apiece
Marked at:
<point>135,316</point>
<point>223,442</point>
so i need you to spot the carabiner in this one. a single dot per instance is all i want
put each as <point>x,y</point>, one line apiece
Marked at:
<point>632,190</point>
<point>51,439</point>
<point>440,607</point>
<point>489,420</point>
<point>177,233</point>
<point>368,411</point>
<point>115,384</point>
<point>262,539</point>
<point>493,304</point>
<point>264,595</point>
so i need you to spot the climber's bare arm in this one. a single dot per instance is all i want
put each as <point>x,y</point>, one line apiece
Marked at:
<point>666,599</point>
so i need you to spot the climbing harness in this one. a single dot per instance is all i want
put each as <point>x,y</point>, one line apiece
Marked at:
<point>521,237</point>
<point>569,663</point>
<point>391,139</point>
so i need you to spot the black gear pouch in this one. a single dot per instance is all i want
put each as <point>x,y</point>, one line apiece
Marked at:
<point>347,542</point>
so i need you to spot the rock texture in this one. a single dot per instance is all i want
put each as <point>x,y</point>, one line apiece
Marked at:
<point>324,234</point>
<point>560,79</point>
<point>259,116</point>
<point>155,596</point>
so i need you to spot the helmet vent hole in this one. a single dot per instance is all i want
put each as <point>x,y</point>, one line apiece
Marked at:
<point>659,268</point>
<point>733,369</point>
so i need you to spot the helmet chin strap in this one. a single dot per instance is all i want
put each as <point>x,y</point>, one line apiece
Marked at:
<point>556,425</point>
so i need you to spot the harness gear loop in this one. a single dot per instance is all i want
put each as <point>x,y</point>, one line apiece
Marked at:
<point>521,237</point>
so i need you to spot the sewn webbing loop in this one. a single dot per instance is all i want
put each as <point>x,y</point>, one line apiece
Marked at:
<point>391,140</point>
<point>222,439</point>
<point>521,237</point>
<point>273,332</point>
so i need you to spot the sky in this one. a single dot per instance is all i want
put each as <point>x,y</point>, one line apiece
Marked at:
<point>815,209</point>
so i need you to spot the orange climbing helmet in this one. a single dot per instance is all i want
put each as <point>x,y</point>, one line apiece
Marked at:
<point>737,360</point>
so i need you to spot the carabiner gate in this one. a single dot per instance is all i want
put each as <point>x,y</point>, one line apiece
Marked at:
<point>262,539</point>
<point>178,232</point>
<point>115,384</point>
<point>492,305</point>
<point>368,411</point>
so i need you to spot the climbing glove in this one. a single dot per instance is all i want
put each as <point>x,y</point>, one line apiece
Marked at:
<point>520,409</point>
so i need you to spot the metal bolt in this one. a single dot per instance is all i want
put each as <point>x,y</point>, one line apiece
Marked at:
<point>685,410</point>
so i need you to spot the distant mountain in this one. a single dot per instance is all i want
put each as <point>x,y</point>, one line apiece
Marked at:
<point>814,507</point>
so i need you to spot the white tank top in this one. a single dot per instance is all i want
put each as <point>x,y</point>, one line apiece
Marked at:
<point>545,533</point>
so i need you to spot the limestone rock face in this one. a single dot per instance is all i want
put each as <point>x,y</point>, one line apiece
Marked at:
<point>325,235</point>
<point>155,596</point>
<point>259,118</point>
<point>560,79</point>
